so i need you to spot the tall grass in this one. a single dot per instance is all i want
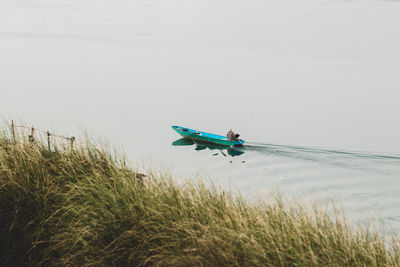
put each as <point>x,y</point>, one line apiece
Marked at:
<point>87,207</point>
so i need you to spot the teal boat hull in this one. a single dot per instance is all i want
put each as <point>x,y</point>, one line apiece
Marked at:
<point>206,137</point>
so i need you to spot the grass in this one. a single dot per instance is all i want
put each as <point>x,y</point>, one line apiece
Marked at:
<point>87,207</point>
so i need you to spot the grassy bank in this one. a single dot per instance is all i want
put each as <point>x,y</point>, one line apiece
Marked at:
<point>87,207</point>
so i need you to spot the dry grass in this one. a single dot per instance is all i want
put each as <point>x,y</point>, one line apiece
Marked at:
<point>86,207</point>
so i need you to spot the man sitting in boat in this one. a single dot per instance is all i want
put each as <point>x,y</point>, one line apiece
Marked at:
<point>231,136</point>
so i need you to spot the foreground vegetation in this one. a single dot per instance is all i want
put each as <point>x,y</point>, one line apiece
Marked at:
<point>87,207</point>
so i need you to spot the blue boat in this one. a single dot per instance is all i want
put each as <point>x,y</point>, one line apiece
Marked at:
<point>206,137</point>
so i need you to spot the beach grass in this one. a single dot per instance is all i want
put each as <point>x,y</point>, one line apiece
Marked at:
<point>88,207</point>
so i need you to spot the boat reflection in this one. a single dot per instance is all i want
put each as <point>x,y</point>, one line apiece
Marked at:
<point>231,151</point>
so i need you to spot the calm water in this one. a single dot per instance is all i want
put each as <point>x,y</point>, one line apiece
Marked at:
<point>312,85</point>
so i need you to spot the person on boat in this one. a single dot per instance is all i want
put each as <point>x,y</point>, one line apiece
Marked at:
<point>231,136</point>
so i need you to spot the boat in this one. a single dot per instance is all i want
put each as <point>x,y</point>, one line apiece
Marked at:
<point>206,137</point>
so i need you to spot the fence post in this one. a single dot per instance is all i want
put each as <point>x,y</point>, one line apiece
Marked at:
<point>31,137</point>
<point>72,139</point>
<point>48,139</point>
<point>13,130</point>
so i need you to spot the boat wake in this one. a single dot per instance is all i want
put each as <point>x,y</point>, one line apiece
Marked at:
<point>339,158</point>
<point>263,147</point>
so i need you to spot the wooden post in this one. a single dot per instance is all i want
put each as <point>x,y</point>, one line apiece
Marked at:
<point>13,129</point>
<point>48,139</point>
<point>31,137</point>
<point>72,139</point>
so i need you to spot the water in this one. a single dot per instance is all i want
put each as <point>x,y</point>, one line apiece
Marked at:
<point>312,85</point>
